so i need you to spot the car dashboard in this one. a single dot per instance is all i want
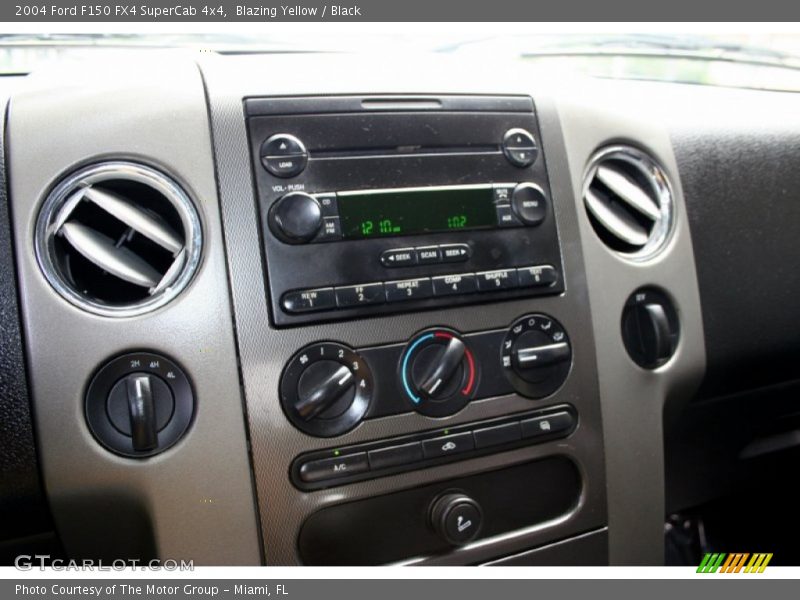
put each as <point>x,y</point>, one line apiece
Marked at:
<point>345,309</point>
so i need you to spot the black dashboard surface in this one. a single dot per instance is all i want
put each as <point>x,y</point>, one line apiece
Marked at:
<point>741,186</point>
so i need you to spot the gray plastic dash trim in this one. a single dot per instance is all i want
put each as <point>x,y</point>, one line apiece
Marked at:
<point>194,501</point>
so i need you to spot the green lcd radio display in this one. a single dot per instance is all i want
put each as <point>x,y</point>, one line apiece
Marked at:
<point>410,211</point>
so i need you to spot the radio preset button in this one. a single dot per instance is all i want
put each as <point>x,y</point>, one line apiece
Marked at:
<point>399,257</point>
<point>300,301</point>
<point>428,255</point>
<point>451,285</point>
<point>529,203</point>
<point>506,216</point>
<point>502,279</point>
<point>408,289</point>
<point>360,295</point>
<point>455,252</point>
<point>539,276</point>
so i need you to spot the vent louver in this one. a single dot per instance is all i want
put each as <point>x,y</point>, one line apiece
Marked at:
<point>628,201</point>
<point>118,239</point>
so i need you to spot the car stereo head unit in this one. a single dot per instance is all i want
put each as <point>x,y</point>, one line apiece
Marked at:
<point>415,208</point>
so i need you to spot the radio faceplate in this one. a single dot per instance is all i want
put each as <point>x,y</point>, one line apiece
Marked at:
<point>419,209</point>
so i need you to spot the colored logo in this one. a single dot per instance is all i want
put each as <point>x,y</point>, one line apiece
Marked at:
<point>714,562</point>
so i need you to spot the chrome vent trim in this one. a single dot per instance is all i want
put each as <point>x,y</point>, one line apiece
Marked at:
<point>629,201</point>
<point>60,233</point>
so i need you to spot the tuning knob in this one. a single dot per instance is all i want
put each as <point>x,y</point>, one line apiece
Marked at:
<point>536,355</point>
<point>326,389</point>
<point>438,372</point>
<point>296,217</point>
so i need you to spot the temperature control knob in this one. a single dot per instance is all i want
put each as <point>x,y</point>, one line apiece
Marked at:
<point>536,355</point>
<point>326,389</point>
<point>438,372</point>
<point>296,217</point>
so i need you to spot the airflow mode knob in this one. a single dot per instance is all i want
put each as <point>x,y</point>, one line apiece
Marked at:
<point>118,239</point>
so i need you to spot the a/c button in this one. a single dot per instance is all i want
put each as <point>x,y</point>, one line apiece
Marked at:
<point>334,468</point>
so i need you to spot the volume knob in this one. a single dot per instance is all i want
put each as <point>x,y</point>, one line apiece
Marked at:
<point>296,217</point>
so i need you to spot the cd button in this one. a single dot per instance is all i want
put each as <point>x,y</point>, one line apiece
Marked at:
<point>328,204</point>
<point>450,285</point>
<point>360,295</point>
<point>429,255</point>
<point>455,252</point>
<point>300,301</point>
<point>399,257</point>
<point>540,276</point>
<point>502,279</point>
<point>408,289</point>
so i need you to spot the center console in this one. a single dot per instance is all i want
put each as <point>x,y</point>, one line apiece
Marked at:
<point>418,357</point>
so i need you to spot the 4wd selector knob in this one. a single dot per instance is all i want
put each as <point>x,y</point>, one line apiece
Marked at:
<point>536,355</point>
<point>326,389</point>
<point>438,372</point>
<point>296,217</point>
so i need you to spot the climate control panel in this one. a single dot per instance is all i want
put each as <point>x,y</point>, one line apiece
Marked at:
<point>328,388</point>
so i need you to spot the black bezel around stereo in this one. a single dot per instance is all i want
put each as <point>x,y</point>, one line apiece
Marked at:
<point>473,164</point>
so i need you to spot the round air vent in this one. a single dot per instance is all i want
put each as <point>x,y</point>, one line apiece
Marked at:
<point>118,239</point>
<point>628,201</point>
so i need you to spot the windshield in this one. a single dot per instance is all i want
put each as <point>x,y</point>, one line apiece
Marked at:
<point>760,61</point>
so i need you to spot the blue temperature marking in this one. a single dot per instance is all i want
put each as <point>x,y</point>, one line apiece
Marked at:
<point>404,369</point>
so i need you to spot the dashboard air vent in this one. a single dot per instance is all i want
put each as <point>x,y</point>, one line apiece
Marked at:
<point>628,201</point>
<point>118,239</point>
